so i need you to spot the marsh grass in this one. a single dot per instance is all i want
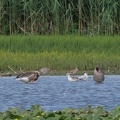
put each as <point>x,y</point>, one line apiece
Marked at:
<point>60,53</point>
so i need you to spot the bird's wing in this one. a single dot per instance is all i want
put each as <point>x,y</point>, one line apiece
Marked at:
<point>20,75</point>
<point>83,77</point>
<point>74,78</point>
<point>24,74</point>
<point>31,76</point>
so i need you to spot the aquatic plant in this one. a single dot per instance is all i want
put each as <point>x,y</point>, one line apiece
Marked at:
<point>36,113</point>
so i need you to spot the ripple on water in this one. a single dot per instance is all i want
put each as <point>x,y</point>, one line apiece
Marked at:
<point>56,93</point>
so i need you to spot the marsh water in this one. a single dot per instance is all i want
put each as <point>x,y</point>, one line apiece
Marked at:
<point>56,93</point>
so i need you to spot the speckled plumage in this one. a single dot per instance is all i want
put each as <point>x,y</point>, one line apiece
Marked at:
<point>30,76</point>
<point>74,71</point>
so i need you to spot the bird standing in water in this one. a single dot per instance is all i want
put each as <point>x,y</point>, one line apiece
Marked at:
<point>98,75</point>
<point>74,71</point>
<point>26,77</point>
<point>45,70</point>
<point>83,77</point>
<point>72,78</point>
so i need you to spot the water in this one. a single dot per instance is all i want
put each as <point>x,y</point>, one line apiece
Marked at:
<point>56,93</point>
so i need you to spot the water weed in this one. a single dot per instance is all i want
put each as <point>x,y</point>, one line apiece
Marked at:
<point>35,113</point>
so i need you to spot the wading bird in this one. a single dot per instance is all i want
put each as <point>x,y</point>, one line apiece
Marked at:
<point>72,78</point>
<point>44,70</point>
<point>83,77</point>
<point>74,71</point>
<point>26,77</point>
<point>98,75</point>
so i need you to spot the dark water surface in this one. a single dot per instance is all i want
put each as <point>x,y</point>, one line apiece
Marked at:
<point>56,93</point>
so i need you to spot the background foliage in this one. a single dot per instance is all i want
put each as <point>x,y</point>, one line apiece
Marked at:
<point>60,53</point>
<point>59,16</point>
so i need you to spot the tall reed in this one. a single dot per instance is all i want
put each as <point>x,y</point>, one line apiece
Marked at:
<point>59,17</point>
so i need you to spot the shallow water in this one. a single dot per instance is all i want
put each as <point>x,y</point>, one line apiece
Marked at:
<point>56,93</point>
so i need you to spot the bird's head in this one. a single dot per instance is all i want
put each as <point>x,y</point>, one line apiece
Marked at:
<point>37,72</point>
<point>67,73</point>
<point>97,67</point>
<point>86,74</point>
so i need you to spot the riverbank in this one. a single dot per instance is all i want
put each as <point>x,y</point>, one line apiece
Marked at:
<point>60,53</point>
<point>56,73</point>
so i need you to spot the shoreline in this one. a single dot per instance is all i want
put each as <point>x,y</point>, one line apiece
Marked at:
<point>57,73</point>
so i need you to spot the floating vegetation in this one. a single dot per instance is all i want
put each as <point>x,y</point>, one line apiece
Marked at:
<point>36,113</point>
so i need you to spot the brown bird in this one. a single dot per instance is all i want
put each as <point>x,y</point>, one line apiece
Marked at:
<point>74,71</point>
<point>44,70</point>
<point>30,76</point>
<point>98,75</point>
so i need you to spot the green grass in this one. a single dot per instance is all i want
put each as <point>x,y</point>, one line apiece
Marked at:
<point>60,43</point>
<point>60,53</point>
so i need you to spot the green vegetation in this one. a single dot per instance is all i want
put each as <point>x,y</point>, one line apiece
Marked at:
<point>36,113</point>
<point>59,17</point>
<point>60,53</point>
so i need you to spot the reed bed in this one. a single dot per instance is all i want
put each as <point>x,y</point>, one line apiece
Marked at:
<point>59,17</point>
<point>60,53</point>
